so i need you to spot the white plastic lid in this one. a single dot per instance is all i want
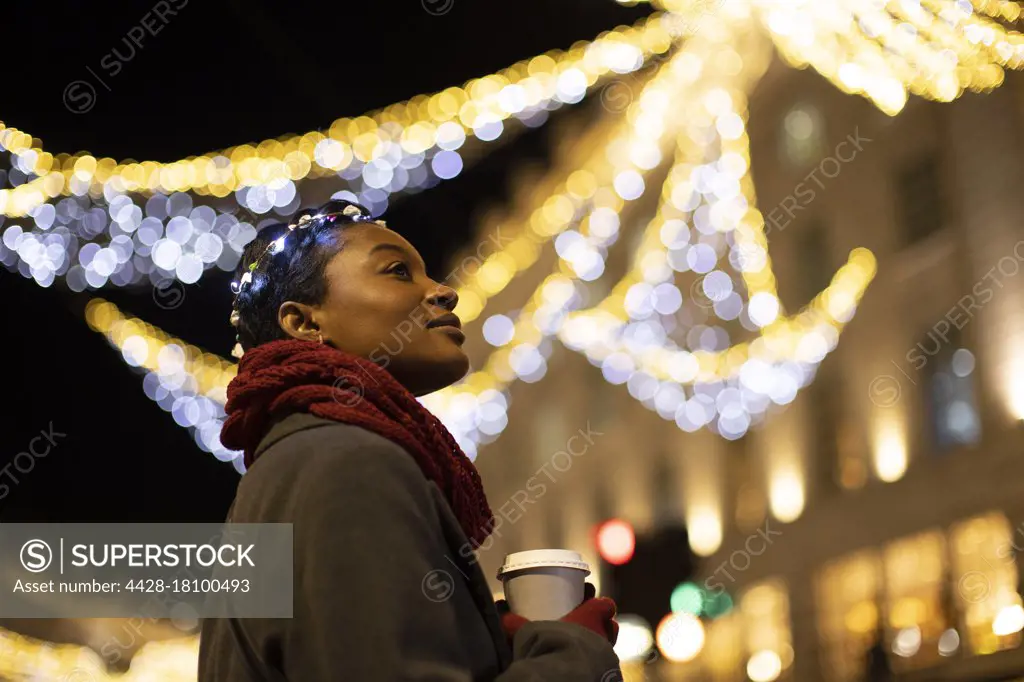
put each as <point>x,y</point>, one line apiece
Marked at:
<point>535,558</point>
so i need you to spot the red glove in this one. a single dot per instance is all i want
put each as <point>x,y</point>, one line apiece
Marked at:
<point>597,615</point>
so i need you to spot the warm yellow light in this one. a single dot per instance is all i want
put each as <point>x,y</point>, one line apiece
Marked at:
<point>704,527</point>
<point>635,638</point>
<point>862,618</point>
<point>1015,387</point>
<point>680,637</point>
<point>469,306</point>
<point>787,495</point>
<point>890,454</point>
<point>764,666</point>
<point>1009,620</point>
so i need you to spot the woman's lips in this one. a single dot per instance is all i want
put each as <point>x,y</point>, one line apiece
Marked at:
<point>452,331</point>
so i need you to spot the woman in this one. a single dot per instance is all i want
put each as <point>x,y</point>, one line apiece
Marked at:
<point>339,328</point>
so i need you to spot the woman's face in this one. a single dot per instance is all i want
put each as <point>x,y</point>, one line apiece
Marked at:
<point>381,305</point>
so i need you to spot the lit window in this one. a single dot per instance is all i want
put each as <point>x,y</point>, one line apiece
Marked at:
<point>752,643</point>
<point>848,592</point>
<point>765,610</point>
<point>916,606</point>
<point>985,574</point>
<point>723,649</point>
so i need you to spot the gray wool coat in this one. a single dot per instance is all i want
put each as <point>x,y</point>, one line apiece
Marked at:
<point>371,538</point>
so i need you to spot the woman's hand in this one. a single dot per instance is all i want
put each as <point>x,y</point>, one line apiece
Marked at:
<point>595,614</point>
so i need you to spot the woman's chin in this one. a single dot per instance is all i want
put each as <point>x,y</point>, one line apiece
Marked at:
<point>452,370</point>
<point>438,373</point>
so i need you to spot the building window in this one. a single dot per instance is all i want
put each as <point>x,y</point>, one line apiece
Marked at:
<point>916,606</point>
<point>723,649</point>
<point>765,610</point>
<point>984,553</point>
<point>948,371</point>
<point>803,136</point>
<point>934,589</point>
<point>954,409</point>
<point>847,595</point>
<point>919,193</point>
<point>753,641</point>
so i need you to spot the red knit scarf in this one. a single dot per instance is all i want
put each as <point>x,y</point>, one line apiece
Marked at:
<point>281,377</point>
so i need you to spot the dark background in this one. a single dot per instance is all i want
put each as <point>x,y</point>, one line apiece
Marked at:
<point>218,74</point>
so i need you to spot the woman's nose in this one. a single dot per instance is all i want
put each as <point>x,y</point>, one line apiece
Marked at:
<point>444,296</point>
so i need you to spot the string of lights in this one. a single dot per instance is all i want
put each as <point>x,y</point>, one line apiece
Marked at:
<point>102,234</point>
<point>415,126</point>
<point>648,334</point>
<point>850,42</point>
<point>935,49</point>
<point>713,195</point>
<point>773,367</point>
<point>607,170</point>
<point>192,384</point>
<point>185,381</point>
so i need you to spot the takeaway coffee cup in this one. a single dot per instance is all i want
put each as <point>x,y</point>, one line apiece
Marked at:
<point>543,584</point>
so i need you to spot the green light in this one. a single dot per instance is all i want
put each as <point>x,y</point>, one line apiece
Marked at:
<point>716,605</point>
<point>687,598</point>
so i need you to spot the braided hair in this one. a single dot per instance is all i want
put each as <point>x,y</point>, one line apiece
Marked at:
<point>287,262</point>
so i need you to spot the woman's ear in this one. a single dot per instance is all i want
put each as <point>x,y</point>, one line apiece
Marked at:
<point>297,321</point>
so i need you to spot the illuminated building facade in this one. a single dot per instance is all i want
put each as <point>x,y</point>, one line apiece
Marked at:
<point>884,498</point>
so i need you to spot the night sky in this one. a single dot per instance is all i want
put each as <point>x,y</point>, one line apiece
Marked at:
<point>216,74</point>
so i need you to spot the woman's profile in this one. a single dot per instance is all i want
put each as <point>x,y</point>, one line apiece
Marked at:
<point>339,330</point>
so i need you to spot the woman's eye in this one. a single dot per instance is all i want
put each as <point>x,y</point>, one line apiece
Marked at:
<point>400,269</point>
